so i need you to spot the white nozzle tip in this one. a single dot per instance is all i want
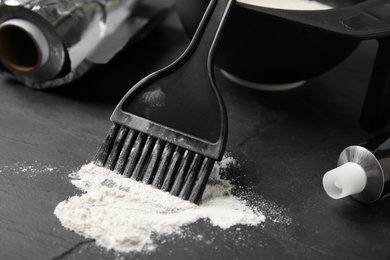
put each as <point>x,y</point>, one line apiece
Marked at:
<point>347,179</point>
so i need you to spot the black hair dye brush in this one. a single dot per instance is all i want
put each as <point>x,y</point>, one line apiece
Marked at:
<point>171,127</point>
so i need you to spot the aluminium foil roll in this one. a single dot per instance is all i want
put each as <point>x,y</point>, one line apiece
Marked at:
<point>47,43</point>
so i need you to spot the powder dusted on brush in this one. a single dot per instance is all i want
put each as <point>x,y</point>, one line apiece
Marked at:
<point>124,215</point>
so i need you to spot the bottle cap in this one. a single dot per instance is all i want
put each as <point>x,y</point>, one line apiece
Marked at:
<point>347,179</point>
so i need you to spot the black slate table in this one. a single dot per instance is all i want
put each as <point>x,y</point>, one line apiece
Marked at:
<point>284,143</point>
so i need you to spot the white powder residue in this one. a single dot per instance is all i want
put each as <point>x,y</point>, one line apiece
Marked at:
<point>124,215</point>
<point>28,170</point>
<point>288,4</point>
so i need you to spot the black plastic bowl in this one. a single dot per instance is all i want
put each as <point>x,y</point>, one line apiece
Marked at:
<point>258,46</point>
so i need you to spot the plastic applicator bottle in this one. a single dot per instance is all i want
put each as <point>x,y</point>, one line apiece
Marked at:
<point>363,171</point>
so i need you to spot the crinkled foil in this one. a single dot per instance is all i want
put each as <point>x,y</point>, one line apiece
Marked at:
<point>81,34</point>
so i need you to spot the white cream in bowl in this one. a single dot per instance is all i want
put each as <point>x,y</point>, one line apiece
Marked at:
<point>288,4</point>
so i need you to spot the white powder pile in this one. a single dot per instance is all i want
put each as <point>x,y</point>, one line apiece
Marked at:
<point>123,214</point>
<point>288,4</point>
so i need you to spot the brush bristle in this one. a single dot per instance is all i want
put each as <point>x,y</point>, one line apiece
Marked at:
<point>168,167</point>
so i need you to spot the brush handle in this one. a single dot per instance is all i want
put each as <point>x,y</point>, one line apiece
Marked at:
<point>180,103</point>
